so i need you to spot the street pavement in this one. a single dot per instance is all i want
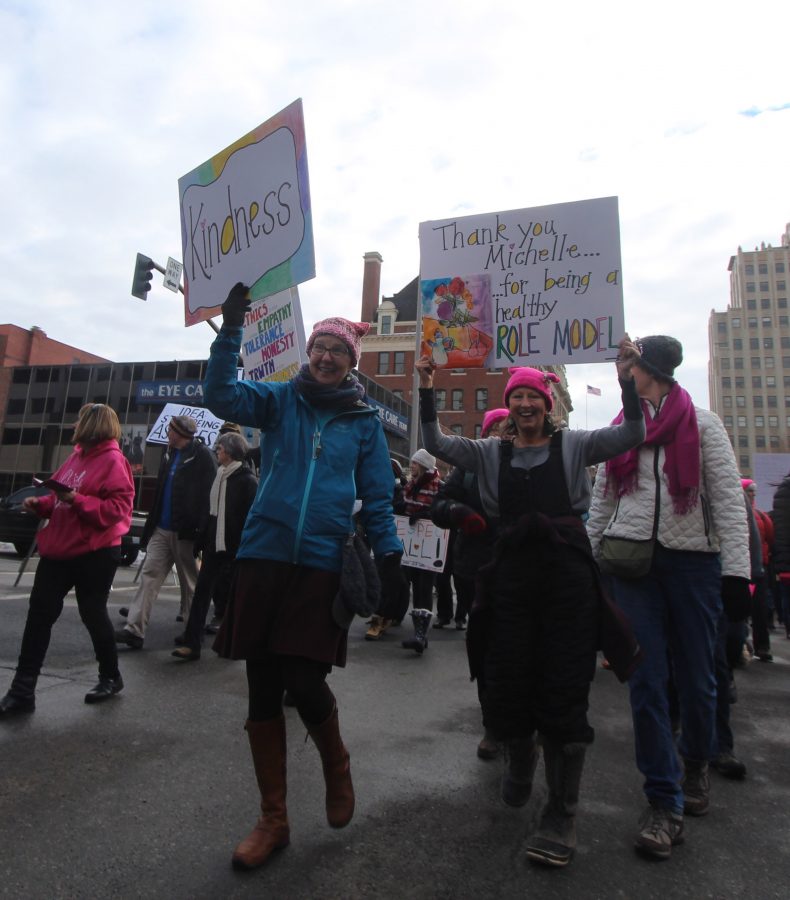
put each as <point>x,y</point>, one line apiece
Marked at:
<point>146,795</point>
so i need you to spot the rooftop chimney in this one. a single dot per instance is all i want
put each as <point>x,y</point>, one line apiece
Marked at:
<point>371,286</point>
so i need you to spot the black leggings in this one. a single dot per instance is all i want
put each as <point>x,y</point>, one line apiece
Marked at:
<point>304,679</point>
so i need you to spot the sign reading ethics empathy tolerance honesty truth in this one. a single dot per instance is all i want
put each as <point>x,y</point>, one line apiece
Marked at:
<point>246,216</point>
<point>523,287</point>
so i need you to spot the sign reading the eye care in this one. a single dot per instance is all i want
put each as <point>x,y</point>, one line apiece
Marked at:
<point>424,544</point>
<point>524,287</point>
<point>246,216</point>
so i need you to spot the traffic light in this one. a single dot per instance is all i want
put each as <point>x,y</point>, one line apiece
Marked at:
<point>143,273</point>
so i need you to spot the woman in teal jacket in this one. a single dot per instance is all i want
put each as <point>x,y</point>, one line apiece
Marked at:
<point>322,447</point>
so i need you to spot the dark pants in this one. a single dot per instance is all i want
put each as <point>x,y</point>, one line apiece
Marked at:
<point>215,568</point>
<point>421,581</point>
<point>304,679</point>
<point>464,596</point>
<point>541,647</point>
<point>444,594</point>
<point>759,611</point>
<point>91,576</point>
<point>724,740</point>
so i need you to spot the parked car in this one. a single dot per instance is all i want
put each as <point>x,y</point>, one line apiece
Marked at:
<point>19,527</point>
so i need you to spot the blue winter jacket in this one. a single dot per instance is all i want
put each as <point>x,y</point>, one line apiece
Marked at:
<point>314,465</point>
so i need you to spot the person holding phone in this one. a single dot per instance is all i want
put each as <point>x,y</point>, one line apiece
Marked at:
<point>89,511</point>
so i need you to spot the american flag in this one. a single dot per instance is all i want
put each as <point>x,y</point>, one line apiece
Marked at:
<point>596,392</point>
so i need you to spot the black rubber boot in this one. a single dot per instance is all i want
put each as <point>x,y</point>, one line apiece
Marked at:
<point>422,620</point>
<point>21,696</point>
<point>521,758</point>
<point>555,840</point>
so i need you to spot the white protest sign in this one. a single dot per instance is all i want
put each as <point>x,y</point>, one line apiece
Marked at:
<point>208,425</point>
<point>245,216</point>
<point>424,544</point>
<point>523,287</point>
<point>273,341</point>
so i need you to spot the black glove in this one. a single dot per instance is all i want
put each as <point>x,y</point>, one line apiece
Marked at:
<point>236,306</point>
<point>389,568</point>
<point>735,597</point>
<point>466,519</point>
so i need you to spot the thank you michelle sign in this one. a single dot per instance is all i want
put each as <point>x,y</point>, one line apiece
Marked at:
<point>245,216</point>
<point>526,286</point>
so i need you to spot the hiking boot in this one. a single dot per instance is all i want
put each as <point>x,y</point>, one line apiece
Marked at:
<point>377,627</point>
<point>660,830</point>
<point>696,788</point>
<point>728,765</point>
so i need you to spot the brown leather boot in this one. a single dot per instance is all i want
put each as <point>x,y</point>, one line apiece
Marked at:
<point>337,771</point>
<point>267,743</point>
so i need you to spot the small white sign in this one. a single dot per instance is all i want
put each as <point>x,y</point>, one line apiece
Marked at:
<point>173,274</point>
<point>424,544</point>
<point>208,424</point>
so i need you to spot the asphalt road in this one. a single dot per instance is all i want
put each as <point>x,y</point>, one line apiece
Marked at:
<point>146,795</point>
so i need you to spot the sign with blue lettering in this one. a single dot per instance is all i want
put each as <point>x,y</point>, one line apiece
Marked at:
<point>169,392</point>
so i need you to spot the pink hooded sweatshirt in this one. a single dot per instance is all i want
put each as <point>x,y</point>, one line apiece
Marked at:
<point>101,514</point>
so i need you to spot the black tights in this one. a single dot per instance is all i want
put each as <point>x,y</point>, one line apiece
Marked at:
<point>304,679</point>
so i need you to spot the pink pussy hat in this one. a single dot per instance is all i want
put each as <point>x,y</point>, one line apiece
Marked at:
<point>491,418</point>
<point>524,376</point>
<point>350,333</point>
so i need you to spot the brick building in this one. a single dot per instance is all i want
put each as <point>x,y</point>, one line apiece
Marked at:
<point>388,352</point>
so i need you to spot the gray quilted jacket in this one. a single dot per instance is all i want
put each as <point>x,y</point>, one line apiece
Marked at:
<point>716,524</point>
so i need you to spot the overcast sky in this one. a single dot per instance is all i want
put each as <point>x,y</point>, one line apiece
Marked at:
<point>413,111</point>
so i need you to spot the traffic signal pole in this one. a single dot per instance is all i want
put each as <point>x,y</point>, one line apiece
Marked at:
<point>141,282</point>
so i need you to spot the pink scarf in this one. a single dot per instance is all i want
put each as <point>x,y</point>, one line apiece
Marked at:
<point>675,429</point>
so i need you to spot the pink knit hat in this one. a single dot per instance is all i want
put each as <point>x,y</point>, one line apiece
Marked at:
<point>350,333</point>
<point>491,418</point>
<point>524,376</point>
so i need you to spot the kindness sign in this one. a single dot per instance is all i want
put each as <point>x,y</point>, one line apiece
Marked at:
<point>246,216</point>
<point>540,285</point>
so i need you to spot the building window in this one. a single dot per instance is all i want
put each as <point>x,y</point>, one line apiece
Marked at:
<point>782,303</point>
<point>736,322</point>
<point>738,362</point>
<point>726,382</point>
<point>770,381</point>
<point>750,288</point>
<point>757,402</point>
<point>737,344</point>
<point>780,286</point>
<point>15,407</point>
<point>762,268</point>
<point>727,402</point>
<point>754,343</point>
<point>440,398</point>
<point>458,399</point>
<point>722,326</point>
<point>400,362</point>
<point>725,363</point>
<point>740,401</point>
<point>748,269</point>
<point>478,432</point>
<point>481,398</point>
<point>385,326</point>
<point>764,287</point>
<point>757,381</point>
<point>744,461</point>
<point>756,362</point>
<point>752,321</point>
<point>740,381</point>
<point>769,362</point>
<point>765,302</point>
<point>773,421</point>
<point>759,421</point>
<point>743,440</point>
<point>398,394</point>
<point>457,429</point>
<point>779,267</point>
<point>772,404</point>
<point>767,323</point>
<point>741,421</point>
<point>773,441</point>
<point>784,321</point>
<point>768,343</point>
<point>384,364</point>
<point>728,421</point>
<point>759,441</point>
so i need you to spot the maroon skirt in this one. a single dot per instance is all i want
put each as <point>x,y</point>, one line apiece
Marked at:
<point>277,607</point>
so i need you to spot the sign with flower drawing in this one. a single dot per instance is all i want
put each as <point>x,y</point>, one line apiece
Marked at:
<point>523,287</point>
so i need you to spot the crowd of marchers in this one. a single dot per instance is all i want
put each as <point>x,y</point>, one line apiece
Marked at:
<point>660,567</point>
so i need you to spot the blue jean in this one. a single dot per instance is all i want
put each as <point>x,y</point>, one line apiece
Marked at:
<point>674,610</point>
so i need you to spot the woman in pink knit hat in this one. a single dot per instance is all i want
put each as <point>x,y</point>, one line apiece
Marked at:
<point>323,448</point>
<point>534,632</point>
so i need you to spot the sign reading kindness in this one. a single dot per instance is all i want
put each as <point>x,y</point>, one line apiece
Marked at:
<point>246,216</point>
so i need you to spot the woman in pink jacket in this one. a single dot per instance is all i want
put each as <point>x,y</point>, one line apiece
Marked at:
<point>89,510</point>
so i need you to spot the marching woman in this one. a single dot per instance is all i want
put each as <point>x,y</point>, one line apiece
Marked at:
<point>89,510</point>
<point>322,448</point>
<point>536,634</point>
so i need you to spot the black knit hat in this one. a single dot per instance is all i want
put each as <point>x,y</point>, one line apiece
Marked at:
<point>661,355</point>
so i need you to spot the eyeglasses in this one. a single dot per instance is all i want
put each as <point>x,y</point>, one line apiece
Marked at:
<point>336,352</point>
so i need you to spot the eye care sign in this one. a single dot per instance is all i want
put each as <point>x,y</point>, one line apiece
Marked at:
<point>523,287</point>
<point>246,216</point>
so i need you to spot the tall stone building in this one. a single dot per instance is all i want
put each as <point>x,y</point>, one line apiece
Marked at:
<point>462,395</point>
<point>749,369</point>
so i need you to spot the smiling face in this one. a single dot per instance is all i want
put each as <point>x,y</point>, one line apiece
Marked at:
<point>330,360</point>
<point>528,410</point>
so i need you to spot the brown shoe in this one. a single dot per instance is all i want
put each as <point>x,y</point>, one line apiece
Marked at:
<point>337,771</point>
<point>271,832</point>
